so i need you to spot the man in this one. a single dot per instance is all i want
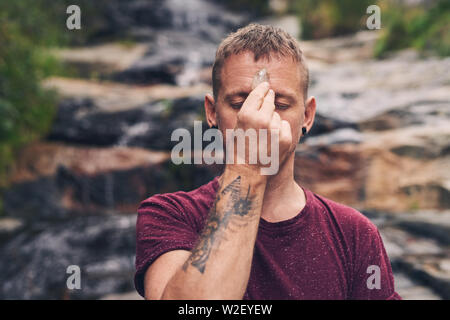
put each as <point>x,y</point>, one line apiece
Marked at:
<point>246,235</point>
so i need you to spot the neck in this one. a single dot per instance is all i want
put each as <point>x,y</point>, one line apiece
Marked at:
<point>283,198</point>
<point>283,180</point>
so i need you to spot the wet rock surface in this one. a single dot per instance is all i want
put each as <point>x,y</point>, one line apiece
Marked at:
<point>70,181</point>
<point>392,117</point>
<point>185,41</point>
<point>419,256</point>
<point>38,259</point>
<point>411,290</point>
<point>149,125</point>
<point>380,143</point>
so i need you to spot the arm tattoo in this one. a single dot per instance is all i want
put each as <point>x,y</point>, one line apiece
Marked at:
<point>236,205</point>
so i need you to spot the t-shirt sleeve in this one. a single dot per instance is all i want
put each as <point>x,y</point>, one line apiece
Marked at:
<point>161,226</point>
<point>373,278</point>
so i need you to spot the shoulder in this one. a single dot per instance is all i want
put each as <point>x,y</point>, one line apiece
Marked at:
<point>180,199</point>
<point>362,247</point>
<point>186,205</point>
<point>351,221</point>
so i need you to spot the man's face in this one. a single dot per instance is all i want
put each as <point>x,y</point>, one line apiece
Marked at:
<point>236,81</point>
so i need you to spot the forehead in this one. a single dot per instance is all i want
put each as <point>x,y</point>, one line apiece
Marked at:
<point>238,71</point>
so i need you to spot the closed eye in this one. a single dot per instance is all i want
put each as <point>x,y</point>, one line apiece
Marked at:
<point>282,106</point>
<point>236,106</point>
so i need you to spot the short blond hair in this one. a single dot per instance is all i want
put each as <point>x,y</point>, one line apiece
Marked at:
<point>263,41</point>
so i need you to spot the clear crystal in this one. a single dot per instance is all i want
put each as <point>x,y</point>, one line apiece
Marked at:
<point>260,77</point>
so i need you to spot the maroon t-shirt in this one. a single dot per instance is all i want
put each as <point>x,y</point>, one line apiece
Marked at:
<point>327,251</point>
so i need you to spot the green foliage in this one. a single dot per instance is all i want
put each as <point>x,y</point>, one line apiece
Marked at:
<point>32,19</point>
<point>26,109</point>
<point>28,30</point>
<point>426,29</point>
<point>328,18</point>
<point>44,21</point>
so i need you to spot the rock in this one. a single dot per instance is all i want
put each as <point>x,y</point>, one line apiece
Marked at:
<point>325,124</point>
<point>361,90</point>
<point>58,182</point>
<point>139,19</point>
<point>428,195</point>
<point>9,227</point>
<point>340,49</point>
<point>103,248</point>
<point>435,225</point>
<point>416,114</point>
<point>339,136</point>
<point>113,97</point>
<point>334,171</point>
<point>409,289</point>
<point>398,109</point>
<point>179,39</point>
<point>183,45</point>
<point>407,168</point>
<point>378,171</point>
<point>174,56</point>
<point>101,60</point>
<point>43,159</point>
<point>289,23</point>
<point>400,243</point>
<point>430,270</point>
<point>418,252</point>
<point>151,72</point>
<point>150,125</point>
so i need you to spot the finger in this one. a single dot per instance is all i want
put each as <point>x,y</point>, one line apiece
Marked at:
<point>275,122</point>
<point>255,98</point>
<point>285,132</point>
<point>268,105</point>
<point>275,128</point>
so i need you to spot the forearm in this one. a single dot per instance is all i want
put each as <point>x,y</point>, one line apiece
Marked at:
<point>219,265</point>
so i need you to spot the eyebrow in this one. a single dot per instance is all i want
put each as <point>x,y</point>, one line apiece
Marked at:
<point>291,99</point>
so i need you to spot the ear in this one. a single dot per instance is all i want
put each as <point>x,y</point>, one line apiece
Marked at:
<point>310,113</point>
<point>210,110</point>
